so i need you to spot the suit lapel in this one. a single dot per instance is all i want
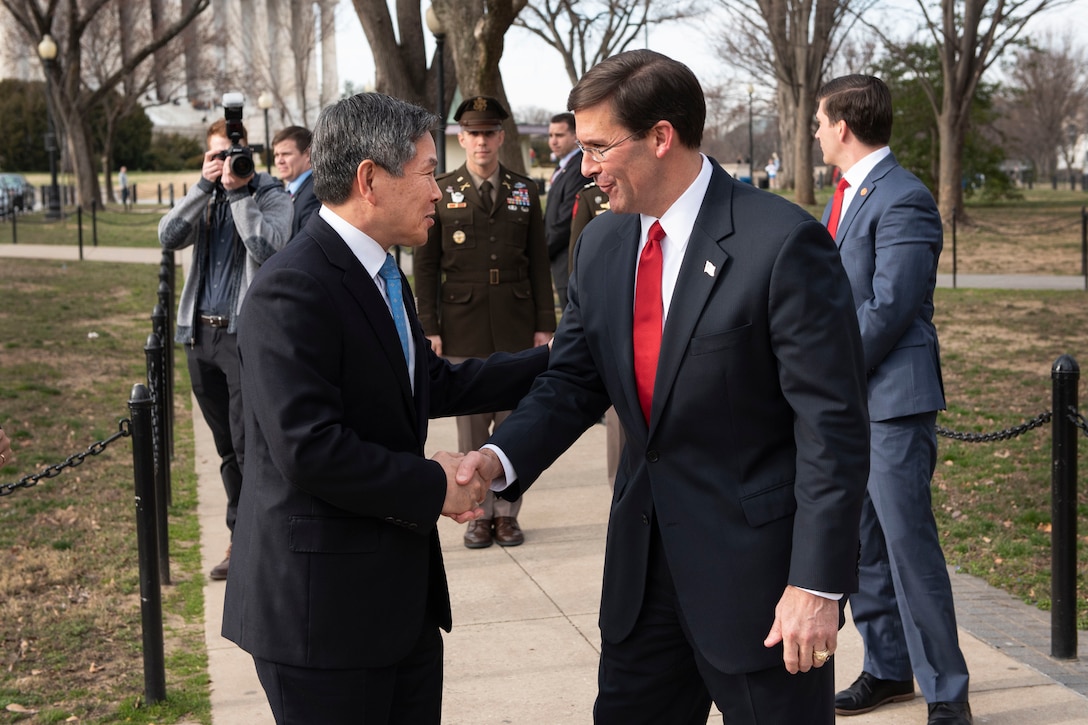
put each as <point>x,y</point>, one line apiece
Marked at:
<point>375,312</point>
<point>703,265</point>
<point>865,190</point>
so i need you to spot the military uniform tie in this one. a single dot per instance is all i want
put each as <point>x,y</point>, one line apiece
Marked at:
<point>485,195</point>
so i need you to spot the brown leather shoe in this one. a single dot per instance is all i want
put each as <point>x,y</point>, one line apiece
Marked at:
<point>219,571</point>
<point>507,531</point>
<point>478,534</point>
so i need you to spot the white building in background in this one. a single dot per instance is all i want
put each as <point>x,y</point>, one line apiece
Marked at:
<point>283,48</point>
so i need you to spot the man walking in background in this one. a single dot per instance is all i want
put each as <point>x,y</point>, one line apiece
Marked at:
<point>888,230</point>
<point>483,280</point>
<point>566,181</point>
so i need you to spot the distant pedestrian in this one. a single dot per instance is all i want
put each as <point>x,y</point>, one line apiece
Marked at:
<point>122,179</point>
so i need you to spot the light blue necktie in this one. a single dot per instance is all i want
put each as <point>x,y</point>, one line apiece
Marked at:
<point>391,274</point>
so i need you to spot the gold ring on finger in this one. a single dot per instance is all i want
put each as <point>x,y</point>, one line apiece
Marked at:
<point>821,655</point>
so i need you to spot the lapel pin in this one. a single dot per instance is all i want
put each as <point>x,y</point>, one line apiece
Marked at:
<point>709,269</point>
<point>864,190</point>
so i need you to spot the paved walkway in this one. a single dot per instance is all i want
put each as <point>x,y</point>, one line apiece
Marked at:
<point>525,643</point>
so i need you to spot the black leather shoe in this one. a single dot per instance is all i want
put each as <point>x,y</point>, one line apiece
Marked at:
<point>478,534</point>
<point>868,693</point>
<point>950,713</point>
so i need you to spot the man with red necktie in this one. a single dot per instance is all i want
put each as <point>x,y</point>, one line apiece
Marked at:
<point>734,523</point>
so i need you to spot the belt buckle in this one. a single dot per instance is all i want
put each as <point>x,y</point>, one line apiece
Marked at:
<point>494,276</point>
<point>216,321</point>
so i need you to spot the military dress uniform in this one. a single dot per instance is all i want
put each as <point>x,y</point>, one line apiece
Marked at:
<point>483,283</point>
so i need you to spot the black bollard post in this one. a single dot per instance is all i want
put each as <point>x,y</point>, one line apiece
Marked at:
<point>153,355</point>
<point>160,193</point>
<point>1065,376</point>
<point>1084,244</point>
<point>159,322</point>
<point>134,196</point>
<point>14,228</point>
<point>166,335</point>
<point>79,226</point>
<point>143,465</point>
<point>954,271</point>
<point>171,195</point>
<point>94,223</point>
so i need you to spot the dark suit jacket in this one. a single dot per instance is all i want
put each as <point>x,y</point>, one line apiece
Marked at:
<point>890,239</point>
<point>560,207</point>
<point>755,459</point>
<point>336,560</point>
<point>305,205</point>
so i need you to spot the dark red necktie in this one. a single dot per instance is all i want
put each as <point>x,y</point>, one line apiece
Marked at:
<point>646,329</point>
<point>836,207</point>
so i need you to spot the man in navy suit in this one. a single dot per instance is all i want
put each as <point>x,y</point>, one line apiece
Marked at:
<point>336,583</point>
<point>889,234</point>
<point>291,150</point>
<point>733,531</point>
<point>566,182</point>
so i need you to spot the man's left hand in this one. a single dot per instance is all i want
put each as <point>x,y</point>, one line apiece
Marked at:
<point>804,623</point>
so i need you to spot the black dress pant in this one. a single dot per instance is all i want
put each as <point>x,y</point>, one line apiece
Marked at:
<point>406,693</point>
<point>217,385</point>
<point>657,675</point>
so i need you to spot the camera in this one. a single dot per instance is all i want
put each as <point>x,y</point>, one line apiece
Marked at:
<point>241,157</point>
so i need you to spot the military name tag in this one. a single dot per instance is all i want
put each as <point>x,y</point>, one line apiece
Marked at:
<point>459,236</point>
<point>455,205</point>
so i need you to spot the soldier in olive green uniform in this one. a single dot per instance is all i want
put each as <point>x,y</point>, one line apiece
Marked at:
<point>483,280</point>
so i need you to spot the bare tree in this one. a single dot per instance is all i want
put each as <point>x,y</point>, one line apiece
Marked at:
<point>70,22</point>
<point>970,36</point>
<point>476,35</point>
<point>1048,89</point>
<point>400,56</point>
<point>793,42</point>
<point>585,32</point>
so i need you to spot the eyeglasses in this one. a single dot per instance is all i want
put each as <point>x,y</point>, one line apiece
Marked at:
<point>597,152</point>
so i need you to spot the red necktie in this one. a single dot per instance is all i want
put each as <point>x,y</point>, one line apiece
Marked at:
<point>836,207</point>
<point>646,329</point>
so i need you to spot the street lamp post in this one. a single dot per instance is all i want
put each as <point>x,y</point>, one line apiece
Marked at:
<point>751,147</point>
<point>47,51</point>
<point>264,102</point>
<point>435,26</point>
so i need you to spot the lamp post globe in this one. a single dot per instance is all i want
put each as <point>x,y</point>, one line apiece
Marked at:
<point>47,51</point>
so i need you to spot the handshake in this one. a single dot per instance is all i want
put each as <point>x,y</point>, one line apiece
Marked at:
<point>468,479</point>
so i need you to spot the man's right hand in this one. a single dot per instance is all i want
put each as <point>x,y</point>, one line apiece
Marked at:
<point>436,344</point>
<point>483,464</point>
<point>462,503</point>
<point>213,166</point>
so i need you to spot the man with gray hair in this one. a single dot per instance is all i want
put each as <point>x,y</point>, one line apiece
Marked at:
<point>337,586</point>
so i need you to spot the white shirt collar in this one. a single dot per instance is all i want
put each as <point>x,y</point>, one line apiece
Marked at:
<point>369,253</point>
<point>566,159</point>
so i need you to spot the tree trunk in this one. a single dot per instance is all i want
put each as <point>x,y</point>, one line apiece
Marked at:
<point>950,179</point>
<point>80,147</point>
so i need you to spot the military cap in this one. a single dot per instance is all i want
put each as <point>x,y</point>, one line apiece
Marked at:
<point>480,113</point>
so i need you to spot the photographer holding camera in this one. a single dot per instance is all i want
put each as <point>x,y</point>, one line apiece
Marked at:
<point>235,219</point>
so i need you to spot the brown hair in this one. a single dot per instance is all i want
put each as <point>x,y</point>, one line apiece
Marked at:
<point>645,87</point>
<point>864,102</point>
<point>301,136</point>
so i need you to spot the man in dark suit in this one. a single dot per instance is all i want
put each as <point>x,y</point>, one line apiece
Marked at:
<point>889,234</point>
<point>733,359</point>
<point>336,585</point>
<point>291,150</point>
<point>483,280</point>
<point>565,183</point>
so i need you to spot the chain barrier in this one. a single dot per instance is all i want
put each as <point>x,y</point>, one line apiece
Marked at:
<point>1078,421</point>
<point>123,431</point>
<point>1002,435</point>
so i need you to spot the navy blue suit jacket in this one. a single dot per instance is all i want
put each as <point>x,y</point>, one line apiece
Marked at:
<point>890,240</point>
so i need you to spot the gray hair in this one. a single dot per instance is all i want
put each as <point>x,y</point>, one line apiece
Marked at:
<point>366,126</point>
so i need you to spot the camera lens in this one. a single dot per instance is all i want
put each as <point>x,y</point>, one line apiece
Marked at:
<point>241,165</point>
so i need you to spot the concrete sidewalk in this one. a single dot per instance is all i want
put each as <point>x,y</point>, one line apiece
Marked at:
<point>525,642</point>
